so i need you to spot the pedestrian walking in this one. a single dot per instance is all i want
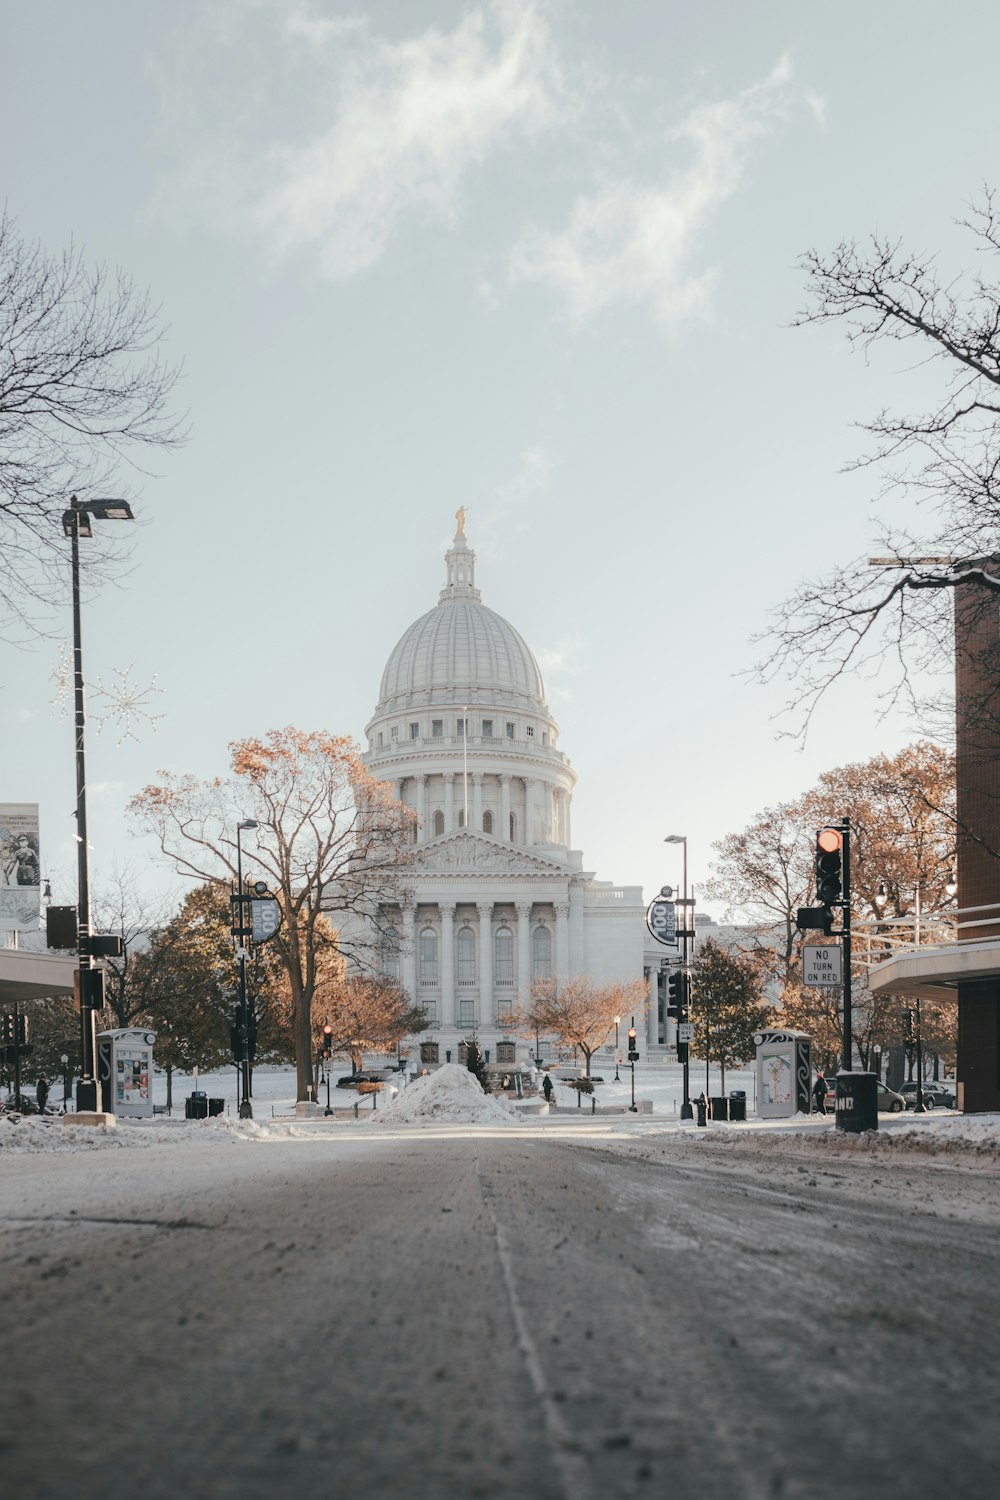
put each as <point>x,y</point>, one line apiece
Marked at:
<point>42,1092</point>
<point>547,1088</point>
<point>820,1091</point>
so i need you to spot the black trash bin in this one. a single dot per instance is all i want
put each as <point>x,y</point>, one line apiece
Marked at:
<point>216,1107</point>
<point>196,1106</point>
<point>857,1101</point>
<point>737,1105</point>
<point>720,1107</point>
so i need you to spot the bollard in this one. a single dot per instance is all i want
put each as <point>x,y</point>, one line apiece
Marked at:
<point>593,1104</point>
<point>702,1107</point>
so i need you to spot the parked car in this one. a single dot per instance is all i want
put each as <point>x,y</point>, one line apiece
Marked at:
<point>889,1100</point>
<point>936,1095</point>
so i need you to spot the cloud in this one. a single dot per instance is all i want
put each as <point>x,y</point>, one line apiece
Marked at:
<point>632,242</point>
<point>333,137</point>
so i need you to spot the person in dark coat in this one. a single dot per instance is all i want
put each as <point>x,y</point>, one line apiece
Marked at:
<point>820,1091</point>
<point>42,1092</point>
<point>547,1088</point>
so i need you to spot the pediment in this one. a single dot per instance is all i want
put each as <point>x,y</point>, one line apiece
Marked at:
<point>473,854</point>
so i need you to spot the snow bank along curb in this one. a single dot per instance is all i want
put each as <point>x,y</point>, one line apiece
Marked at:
<point>49,1134</point>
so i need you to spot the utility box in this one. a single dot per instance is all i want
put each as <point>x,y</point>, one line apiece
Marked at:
<point>125,1072</point>
<point>784,1074</point>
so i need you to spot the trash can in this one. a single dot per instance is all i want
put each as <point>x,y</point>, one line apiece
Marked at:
<point>196,1106</point>
<point>720,1107</point>
<point>737,1105</point>
<point>857,1101</point>
<point>216,1107</point>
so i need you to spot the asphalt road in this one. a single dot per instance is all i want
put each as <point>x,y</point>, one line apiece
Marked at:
<point>493,1314</point>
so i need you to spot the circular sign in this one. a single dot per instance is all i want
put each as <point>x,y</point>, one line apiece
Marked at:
<point>260,887</point>
<point>667,892</point>
<point>661,919</point>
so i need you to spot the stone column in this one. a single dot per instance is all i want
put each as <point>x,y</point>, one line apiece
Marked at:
<point>505,809</point>
<point>477,801</point>
<point>421,808</point>
<point>447,970</point>
<point>567,830</point>
<point>577,957</point>
<point>486,1011</point>
<point>408,950</point>
<point>530,810</point>
<point>449,801</point>
<point>562,940</point>
<point>523,909</point>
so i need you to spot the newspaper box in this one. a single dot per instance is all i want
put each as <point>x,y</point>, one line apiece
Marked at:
<point>125,1072</point>
<point>784,1074</point>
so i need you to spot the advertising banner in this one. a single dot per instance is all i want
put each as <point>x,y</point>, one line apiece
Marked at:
<point>20,866</point>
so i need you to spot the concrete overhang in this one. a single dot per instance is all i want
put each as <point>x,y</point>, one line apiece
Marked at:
<point>35,976</point>
<point>928,971</point>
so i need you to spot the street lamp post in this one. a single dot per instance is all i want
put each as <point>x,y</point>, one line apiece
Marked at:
<point>687,1113</point>
<point>246,1108</point>
<point>76,523</point>
<point>617,1023</point>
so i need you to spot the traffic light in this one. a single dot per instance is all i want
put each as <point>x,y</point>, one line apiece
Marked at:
<point>327,1041</point>
<point>633,1051</point>
<point>251,1037</point>
<point>675,995</point>
<point>237,1041</point>
<point>829,865</point>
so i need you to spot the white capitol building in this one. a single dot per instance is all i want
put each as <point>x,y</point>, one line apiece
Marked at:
<point>497,896</point>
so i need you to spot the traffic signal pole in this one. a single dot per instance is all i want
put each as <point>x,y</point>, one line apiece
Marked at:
<point>846,923</point>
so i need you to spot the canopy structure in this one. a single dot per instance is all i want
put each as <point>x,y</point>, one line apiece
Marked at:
<point>928,971</point>
<point>34,976</point>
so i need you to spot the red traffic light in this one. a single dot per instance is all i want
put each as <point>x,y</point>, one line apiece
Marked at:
<point>830,840</point>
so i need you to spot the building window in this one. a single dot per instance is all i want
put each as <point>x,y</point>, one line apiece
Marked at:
<point>394,732</point>
<point>461,817</point>
<point>503,957</point>
<point>460,726</point>
<point>465,946</point>
<point>541,953</point>
<point>513,828</point>
<point>438,822</point>
<point>428,1052</point>
<point>428,956</point>
<point>414,731</point>
<point>390,953</point>
<point>506,1052</point>
<point>380,739</point>
<point>530,731</point>
<point>437,728</point>
<point>510,731</point>
<point>487,822</point>
<point>487,729</point>
<point>467,1012</point>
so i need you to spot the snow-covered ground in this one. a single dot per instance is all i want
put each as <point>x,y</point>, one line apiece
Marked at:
<point>449,1098</point>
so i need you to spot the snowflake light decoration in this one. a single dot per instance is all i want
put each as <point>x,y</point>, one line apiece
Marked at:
<point>125,704</point>
<point>62,676</point>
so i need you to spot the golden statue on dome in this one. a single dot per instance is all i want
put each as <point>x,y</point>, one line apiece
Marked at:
<point>460,519</point>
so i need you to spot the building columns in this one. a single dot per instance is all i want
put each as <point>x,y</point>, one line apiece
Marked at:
<point>523,909</point>
<point>505,809</point>
<point>577,964</point>
<point>449,803</point>
<point>562,941</point>
<point>408,950</point>
<point>477,801</point>
<point>486,1008</point>
<point>653,1014</point>
<point>421,808</point>
<point>447,910</point>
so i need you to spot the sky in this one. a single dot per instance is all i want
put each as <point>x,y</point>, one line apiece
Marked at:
<point>533,257</point>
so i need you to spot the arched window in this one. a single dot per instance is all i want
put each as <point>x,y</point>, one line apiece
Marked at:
<point>438,822</point>
<point>428,956</point>
<point>513,828</point>
<point>390,953</point>
<point>506,1052</point>
<point>465,948</point>
<point>541,953</point>
<point>487,822</point>
<point>503,957</point>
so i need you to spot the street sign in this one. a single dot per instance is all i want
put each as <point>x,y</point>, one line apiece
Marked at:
<point>661,919</point>
<point>822,964</point>
<point>685,1031</point>
<point>265,919</point>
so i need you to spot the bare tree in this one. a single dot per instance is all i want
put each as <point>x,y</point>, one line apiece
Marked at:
<point>331,838</point>
<point>895,611</point>
<point>82,390</point>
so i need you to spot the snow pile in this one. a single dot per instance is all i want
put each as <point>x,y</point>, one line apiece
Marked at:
<point>449,1096</point>
<point>954,1140</point>
<point>48,1133</point>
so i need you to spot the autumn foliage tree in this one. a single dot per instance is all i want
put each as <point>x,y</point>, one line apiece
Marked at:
<point>366,1013</point>
<point>578,1012</point>
<point>332,843</point>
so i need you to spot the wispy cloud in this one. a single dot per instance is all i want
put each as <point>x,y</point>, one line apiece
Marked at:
<point>369,132</point>
<point>632,241</point>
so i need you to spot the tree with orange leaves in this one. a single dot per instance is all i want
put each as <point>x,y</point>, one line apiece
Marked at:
<point>331,842</point>
<point>578,1012</point>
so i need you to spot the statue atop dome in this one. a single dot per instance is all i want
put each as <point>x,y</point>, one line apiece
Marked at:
<point>460,520</point>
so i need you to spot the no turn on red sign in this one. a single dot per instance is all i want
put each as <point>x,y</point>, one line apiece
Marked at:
<point>822,964</point>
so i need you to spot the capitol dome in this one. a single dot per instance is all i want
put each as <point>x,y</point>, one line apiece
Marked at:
<point>461,652</point>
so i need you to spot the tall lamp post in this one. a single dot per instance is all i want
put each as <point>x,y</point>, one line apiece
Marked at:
<point>246,1108</point>
<point>617,1023</point>
<point>76,523</point>
<point>687,1113</point>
